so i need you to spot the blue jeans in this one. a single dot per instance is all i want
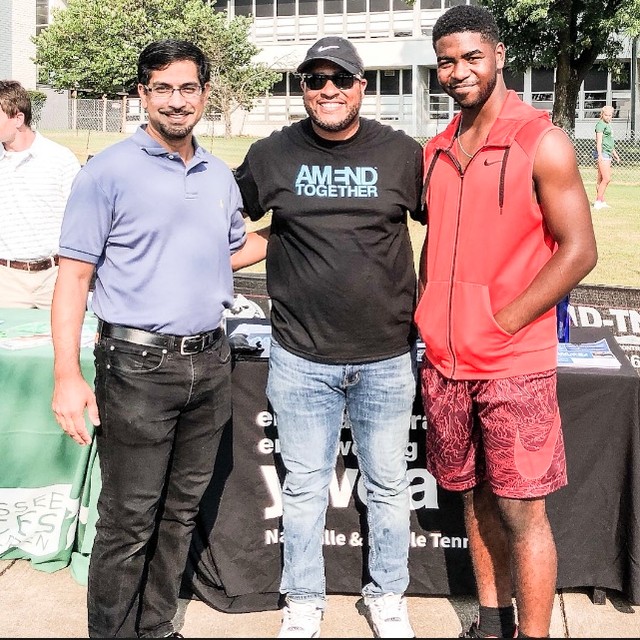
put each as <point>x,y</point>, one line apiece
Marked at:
<point>162,415</point>
<point>311,401</point>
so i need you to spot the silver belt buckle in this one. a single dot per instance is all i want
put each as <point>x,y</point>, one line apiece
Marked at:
<point>183,342</point>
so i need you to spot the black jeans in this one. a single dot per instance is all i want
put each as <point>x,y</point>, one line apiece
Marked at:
<point>161,418</point>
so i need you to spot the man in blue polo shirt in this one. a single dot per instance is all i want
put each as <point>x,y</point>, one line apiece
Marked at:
<point>157,218</point>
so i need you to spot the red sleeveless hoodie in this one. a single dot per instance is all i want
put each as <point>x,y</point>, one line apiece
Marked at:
<point>486,241</point>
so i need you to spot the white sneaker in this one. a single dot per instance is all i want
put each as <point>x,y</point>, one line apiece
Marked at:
<point>301,619</point>
<point>601,204</point>
<point>389,616</point>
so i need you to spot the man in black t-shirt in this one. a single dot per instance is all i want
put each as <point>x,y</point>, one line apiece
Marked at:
<point>341,280</point>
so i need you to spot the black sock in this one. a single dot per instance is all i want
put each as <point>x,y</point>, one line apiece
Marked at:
<point>499,622</point>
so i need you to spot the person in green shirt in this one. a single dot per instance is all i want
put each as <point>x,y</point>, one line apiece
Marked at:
<point>605,152</point>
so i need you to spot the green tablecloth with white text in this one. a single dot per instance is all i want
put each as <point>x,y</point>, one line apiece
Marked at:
<point>46,479</point>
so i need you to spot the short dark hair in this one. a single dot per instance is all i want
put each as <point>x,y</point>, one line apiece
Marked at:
<point>467,17</point>
<point>160,54</point>
<point>15,99</point>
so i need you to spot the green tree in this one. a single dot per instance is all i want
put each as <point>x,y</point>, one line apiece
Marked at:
<point>92,46</point>
<point>568,35</point>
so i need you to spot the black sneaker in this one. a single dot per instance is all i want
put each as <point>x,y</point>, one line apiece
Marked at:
<point>474,632</point>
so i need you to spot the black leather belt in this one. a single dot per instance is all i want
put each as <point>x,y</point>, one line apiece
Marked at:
<point>185,345</point>
<point>30,265</point>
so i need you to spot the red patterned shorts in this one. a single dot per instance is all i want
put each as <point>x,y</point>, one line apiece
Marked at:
<point>506,431</point>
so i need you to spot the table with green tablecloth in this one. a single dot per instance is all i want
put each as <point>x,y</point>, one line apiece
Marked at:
<point>47,481</point>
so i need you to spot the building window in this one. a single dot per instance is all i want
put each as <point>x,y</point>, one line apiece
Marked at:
<point>378,5</point>
<point>286,7</point>
<point>294,84</point>
<point>356,6</point>
<point>595,90</point>
<point>280,87</point>
<point>372,81</point>
<point>307,7</point>
<point>621,93</point>
<point>389,82</point>
<point>623,81</point>
<point>288,85</point>
<point>333,6</point>
<point>244,7</point>
<point>542,81</point>
<point>407,82</point>
<point>439,107</point>
<point>264,9</point>
<point>596,79</point>
<point>439,102</point>
<point>514,81</point>
<point>42,15</point>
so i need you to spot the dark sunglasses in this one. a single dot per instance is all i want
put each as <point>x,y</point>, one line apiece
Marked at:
<point>316,81</point>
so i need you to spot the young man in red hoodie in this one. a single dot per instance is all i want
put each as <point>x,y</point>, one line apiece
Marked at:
<point>509,233</point>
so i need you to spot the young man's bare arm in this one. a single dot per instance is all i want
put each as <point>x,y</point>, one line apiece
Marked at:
<point>72,394</point>
<point>561,193</point>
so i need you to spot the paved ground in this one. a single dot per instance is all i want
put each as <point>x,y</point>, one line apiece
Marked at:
<point>34,604</point>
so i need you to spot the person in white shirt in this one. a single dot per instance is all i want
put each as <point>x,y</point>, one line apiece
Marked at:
<point>35,179</point>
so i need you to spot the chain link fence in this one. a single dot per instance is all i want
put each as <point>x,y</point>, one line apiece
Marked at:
<point>61,113</point>
<point>627,171</point>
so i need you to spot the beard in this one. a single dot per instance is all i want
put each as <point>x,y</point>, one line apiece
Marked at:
<point>483,95</point>
<point>352,115</point>
<point>173,132</point>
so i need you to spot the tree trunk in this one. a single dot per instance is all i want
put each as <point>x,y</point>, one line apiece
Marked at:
<point>226,114</point>
<point>123,118</point>
<point>104,112</point>
<point>569,77</point>
<point>567,89</point>
<point>74,110</point>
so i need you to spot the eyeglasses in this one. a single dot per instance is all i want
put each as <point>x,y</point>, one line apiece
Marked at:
<point>316,81</point>
<point>165,92</point>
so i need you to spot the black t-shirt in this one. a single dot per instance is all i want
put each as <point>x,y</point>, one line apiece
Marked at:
<point>339,265</point>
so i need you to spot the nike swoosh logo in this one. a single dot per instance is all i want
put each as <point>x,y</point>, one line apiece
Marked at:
<point>487,163</point>
<point>535,463</point>
<point>332,46</point>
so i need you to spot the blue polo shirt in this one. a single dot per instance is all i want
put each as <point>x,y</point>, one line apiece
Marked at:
<point>160,234</point>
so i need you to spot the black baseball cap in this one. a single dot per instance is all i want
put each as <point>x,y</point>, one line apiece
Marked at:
<point>334,49</point>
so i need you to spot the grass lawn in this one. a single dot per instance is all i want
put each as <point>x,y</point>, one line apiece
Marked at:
<point>617,229</point>
<point>85,143</point>
<point>618,236</point>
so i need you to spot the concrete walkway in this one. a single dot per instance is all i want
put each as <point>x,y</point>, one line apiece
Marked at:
<point>34,604</point>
